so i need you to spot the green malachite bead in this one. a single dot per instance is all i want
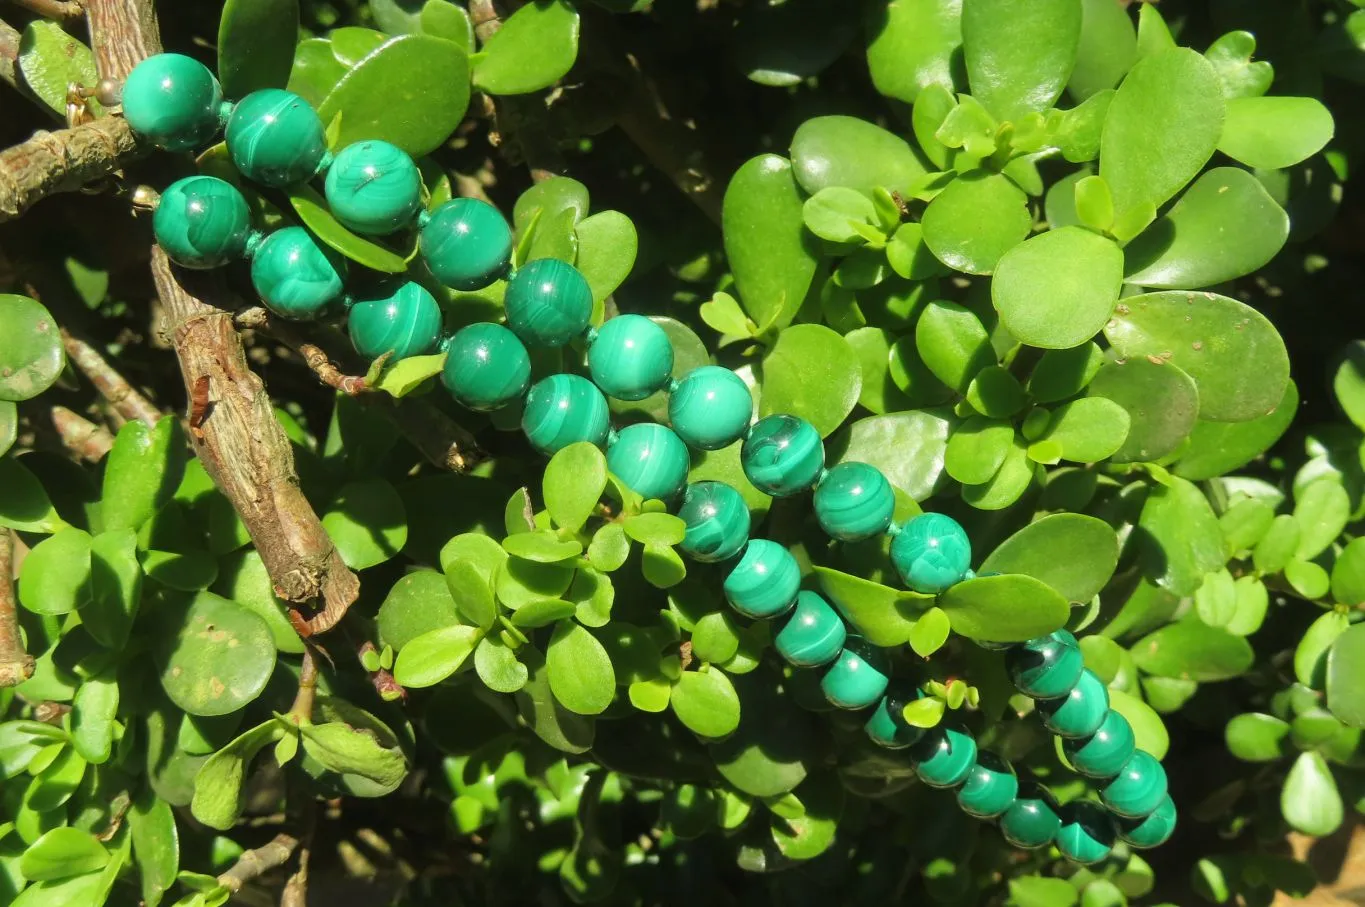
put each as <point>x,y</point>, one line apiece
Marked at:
<point>466,243</point>
<point>1047,667</point>
<point>815,633</point>
<point>373,188</point>
<point>763,583</point>
<point>858,677</point>
<point>548,302</point>
<point>631,358</point>
<point>172,100</point>
<point>404,323</point>
<point>783,455</point>
<point>1138,788</point>
<point>1087,832</point>
<point>931,552</point>
<point>1152,831</point>
<point>1104,753</point>
<point>1080,712</point>
<point>887,725</point>
<point>990,788</point>
<point>296,276</point>
<point>854,501</point>
<point>563,410</point>
<point>650,459</point>
<point>276,138</point>
<point>944,758</point>
<point>710,408</point>
<point>202,222</point>
<point>1032,820</point>
<point>486,367</point>
<point>717,521</point>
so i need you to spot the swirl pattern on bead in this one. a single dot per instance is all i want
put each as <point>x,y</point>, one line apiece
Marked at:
<point>783,455</point>
<point>467,243</point>
<point>710,408</point>
<point>404,323</point>
<point>563,410</point>
<point>631,358</point>
<point>945,757</point>
<point>1104,753</point>
<point>373,188</point>
<point>989,789</point>
<point>854,501</point>
<point>764,583</point>
<point>276,138</point>
<point>931,552</point>
<point>650,459</point>
<point>486,367</point>
<point>296,276</point>
<point>1138,788</point>
<point>1079,713</point>
<point>858,677</point>
<point>548,302</point>
<point>1086,835</point>
<point>173,100</point>
<point>717,521</point>
<point>814,635</point>
<point>202,222</point>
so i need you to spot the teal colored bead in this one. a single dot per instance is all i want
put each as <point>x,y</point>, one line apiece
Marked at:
<point>1104,753</point>
<point>854,501</point>
<point>717,522</point>
<point>548,302</point>
<point>990,788</point>
<point>202,222</point>
<point>1047,667</point>
<point>887,727</point>
<point>296,276</point>
<point>650,459</point>
<point>931,552</point>
<point>858,677</point>
<point>1138,788</point>
<point>710,408</point>
<point>763,583</point>
<point>563,410</point>
<point>373,188</point>
<point>276,138</point>
<point>1080,712</point>
<point>783,455</point>
<point>486,367</point>
<point>815,633</point>
<point>1032,820</point>
<point>631,358</point>
<point>172,100</point>
<point>944,758</point>
<point>1087,833</point>
<point>1152,831</point>
<point>404,323</point>
<point>466,243</point>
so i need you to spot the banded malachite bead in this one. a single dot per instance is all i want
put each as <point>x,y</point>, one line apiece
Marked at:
<point>296,276</point>
<point>990,788</point>
<point>548,302</point>
<point>783,455</point>
<point>1138,788</point>
<point>1151,831</point>
<point>466,243</point>
<point>173,100</point>
<point>944,758</point>
<point>815,633</point>
<point>276,138</point>
<point>931,552</point>
<point>710,408</point>
<point>563,410</point>
<point>631,358</point>
<point>1047,667</point>
<point>764,582</point>
<point>858,677</point>
<point>1079,713</point>
<point>1033,819</point>
<point>202,222</point>
<point>650,459</point>
<point>717,522</point>
<point>1087,832</point>
<point>406,322</point>
<point>373,188</point>
<point>886,727</point>
<point>854,501</point>
<point>1103,753</point>
<point>486,367</point>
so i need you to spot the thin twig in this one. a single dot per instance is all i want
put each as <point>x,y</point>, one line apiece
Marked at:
<point>9,55</point>
<point>385,684</point>
<point>295,892</point>
<point>329,374</point>
<point>52,9</point>
<point>255,863</point>
<point>16,665</point>
<point>113,387</point>
<point>81,436</point>
<point>302,710</point>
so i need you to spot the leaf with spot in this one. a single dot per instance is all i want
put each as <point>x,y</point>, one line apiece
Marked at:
<point>216,656</point>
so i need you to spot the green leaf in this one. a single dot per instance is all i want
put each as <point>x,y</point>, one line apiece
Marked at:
<point>1231,57</point>
<point>1107,49</point>
<point>55,576</point>
<point>1073,553</point>
<point>977,449</point>
<point>806,836</point>
<point>1310,656</point>
<point>1059,288</point>
<point>1345,686</point>
<point>913,44</point>
<point>575,479</point>
<point>1007,485</point>
<point>420,602</point>
<point>550,721</point>
<point>662,567</point>
<point>878,392</point>
<point>1348,574</point>
<point>256,41</point>
<point>706,703</point>
<point>907,447</point>
<point>813,373</point>
<point>542,613</point>
<point>62,853</point>
<point>849,153</point>
<point>1254,737</point>
<point>953,343</point>
<point>972,223</point>
<point>1004,608</point>
<point>115,587</point>
<point>1308,579</point>
<point>1183,540</point>
<point>219,656</point>
<point>1089,429</point>
<point>766,242</point>
<point>367,522</point>
<point>1348,382</point>
<point>1038,891</point>
<point>315,71</point>
<point>405,376</point>
<point>144,468</point>
<point>428,659</point>
<point>1277,546</point>
<point>521,582</point>
<point>1274,132</point>
<point>838,214</point>
<point>1216,448</point>
<point>156,845</point>
<point>1148,728</point>
<point>928,635</point>
<point>609,547</point>
<point>32,358</point>
<point>881,615</point>
<point>348,750</point>
<point>1162,403</point>
<point>1094,203</point>
<point>924,713</point>
<point>1191,650</point>
<point>544,546</point>
<point>996,393</point>
<point>1019,53</point>
<point>1064,373</point>
<point>1322,510</point>
<point>909,256</point>
<point>723,315</point>
<point>607,246</point>
<point>1309,800</point>
<point>580,671</point>
<point>534,49</point>
<point>218,785</point>
<point>51,60</point>
<point>312,209</point>
<point>498,667</point>
<point>660,529</point>
<point>92,718</point>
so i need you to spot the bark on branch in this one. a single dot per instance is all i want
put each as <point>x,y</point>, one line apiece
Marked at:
<point>253,864</point>
<point>16,665</point>
<point>63,161</point>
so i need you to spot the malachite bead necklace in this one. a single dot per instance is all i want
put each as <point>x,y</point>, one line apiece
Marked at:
<point>374,188</point>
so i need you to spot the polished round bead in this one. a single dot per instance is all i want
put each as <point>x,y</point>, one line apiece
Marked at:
<point>563,410</point>
<point>1080,712</point>
<point>763,583</point>
<point>710,408</point>
<point>887,727</point>
<point>373,188</point>
<point>1047,667</point>
<point>717,522</point>
<point>1138,788</point>
<point>296,276</point>
<point>1032,820</point>
<point>404,323</point>
<point>1087,832</point>
<point>990,788</point>
<point>650,459</point>
<point>1104,753</point>
<point>854,501</point>
<point>631,358</point>
<point>783,455</point>
<point>172,100</point>
<point>815,633</point>
<point>548,302</point>
<point>202,222</point>
<point>276,138</point>
<point>858,677</point>
<point>944,758</point>
<point>931,552</point>
<point>1152,831</point>
<point>486,367</point>
<point>466,243</point>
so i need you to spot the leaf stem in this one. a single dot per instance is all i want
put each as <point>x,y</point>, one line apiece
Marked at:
<point>301,712</point>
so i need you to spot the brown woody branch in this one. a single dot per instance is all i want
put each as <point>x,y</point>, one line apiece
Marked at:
<point>113,387</point>
<point>81,436</point>
<point>16,665</point>
<point>52,9</point>
<point>9,55</point>
<point>63,161</point>
<point>253,864</point>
